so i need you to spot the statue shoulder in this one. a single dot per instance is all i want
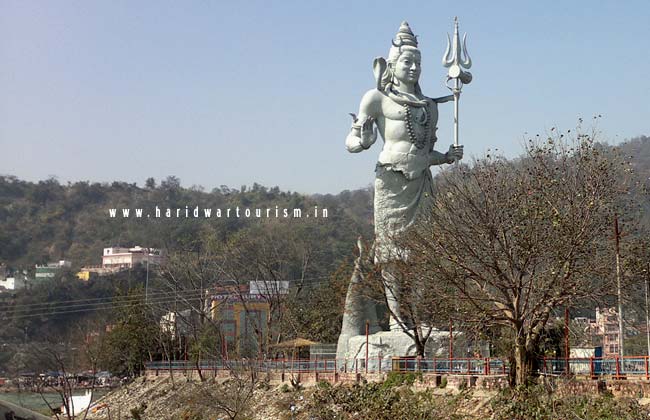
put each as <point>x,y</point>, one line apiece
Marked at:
<point>371,103</point>
<point>373,96</point>
<point>433,102</point>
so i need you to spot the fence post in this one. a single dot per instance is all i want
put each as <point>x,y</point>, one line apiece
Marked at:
<point>646,368</point>
<point>356,365</point>
<point>591,367</point>
<point>379,364</point>
<point>487,366</point>
<point>618,367</point>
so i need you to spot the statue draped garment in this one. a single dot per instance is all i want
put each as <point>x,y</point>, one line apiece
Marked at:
<point>403,189</point>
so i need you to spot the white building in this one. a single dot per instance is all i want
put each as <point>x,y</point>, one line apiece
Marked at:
<point>49,270</point>
<point>180,323</point>
<point>18,281</point>
<point>269,288</point>
<point>122,258</point>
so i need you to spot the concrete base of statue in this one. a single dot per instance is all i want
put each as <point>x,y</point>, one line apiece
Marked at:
<point>383,346</point>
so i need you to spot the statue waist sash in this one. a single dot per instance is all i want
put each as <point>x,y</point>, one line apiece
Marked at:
<point>411,165</point>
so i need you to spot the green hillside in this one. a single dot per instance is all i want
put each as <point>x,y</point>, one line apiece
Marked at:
<point>48,221</point>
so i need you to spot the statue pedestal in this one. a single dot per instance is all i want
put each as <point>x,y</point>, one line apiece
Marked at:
<point>383,346</point>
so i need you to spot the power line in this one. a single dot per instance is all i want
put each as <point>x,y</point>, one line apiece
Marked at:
<point>307,282</point>
<point>61,307</point>
<point>160,298</point>
<point>95,301</point>
<point>97,307</point>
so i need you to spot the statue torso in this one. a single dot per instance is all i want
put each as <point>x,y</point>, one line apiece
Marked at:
<point>404,151</point>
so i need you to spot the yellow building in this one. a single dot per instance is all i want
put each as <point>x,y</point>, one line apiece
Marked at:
<point>84,275</point>
<point>242,318</point>
<point>90,272</point>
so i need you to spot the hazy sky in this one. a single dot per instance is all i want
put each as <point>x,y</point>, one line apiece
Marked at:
<point>224,92</point>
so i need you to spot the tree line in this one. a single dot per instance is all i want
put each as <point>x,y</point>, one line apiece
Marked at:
<point>506,245</point>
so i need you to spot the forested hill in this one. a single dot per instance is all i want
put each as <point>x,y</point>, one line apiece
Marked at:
<point>638,150</point>
<point>47,221</point>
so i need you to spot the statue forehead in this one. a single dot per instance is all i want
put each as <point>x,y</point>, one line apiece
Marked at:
<point>395,53</point>
<point>412,52</point>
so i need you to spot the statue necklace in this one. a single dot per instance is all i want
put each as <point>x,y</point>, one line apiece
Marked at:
<point>423,120</point>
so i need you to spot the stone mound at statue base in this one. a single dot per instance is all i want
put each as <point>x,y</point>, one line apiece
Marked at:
<point>383,346</point>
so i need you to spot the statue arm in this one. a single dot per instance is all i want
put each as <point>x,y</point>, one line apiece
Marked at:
<point>362,135</point>
<point>455,153</point>
<point>438,158</point>
<point>443,99</point>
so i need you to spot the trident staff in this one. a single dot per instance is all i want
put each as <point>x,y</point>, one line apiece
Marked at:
<point>457,59</point>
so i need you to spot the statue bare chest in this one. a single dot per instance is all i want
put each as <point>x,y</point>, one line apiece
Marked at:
<point>398,120</point>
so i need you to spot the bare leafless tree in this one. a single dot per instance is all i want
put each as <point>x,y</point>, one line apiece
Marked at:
<point>509,241</point>
<point>233,396</point>
<point>58,354</point>
<point>263,263</point>
<point>277,261</point>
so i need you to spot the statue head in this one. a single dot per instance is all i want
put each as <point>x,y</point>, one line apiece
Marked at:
<point>404,41</point>
<point>403,62</point>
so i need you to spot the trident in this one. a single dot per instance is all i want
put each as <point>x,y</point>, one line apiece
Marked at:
<point>456,59</point>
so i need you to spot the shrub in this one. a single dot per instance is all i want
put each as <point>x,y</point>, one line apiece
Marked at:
<point>323,385</point>
<point>394,379</point>
<point>536,403</point>
<point>138,412</point>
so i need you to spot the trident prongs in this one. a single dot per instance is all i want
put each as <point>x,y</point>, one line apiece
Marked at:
<point>455,54</point>
<point>457,59</point>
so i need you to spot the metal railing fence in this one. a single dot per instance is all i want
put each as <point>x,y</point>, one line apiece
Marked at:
<point>457,366</point>
<point>617,367</point>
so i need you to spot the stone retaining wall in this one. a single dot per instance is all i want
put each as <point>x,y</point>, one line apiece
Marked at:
<point>633,387</point>
<point>425,380</point>
<point>12,411</point>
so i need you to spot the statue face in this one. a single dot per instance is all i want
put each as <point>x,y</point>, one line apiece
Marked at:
<point>407,67</point>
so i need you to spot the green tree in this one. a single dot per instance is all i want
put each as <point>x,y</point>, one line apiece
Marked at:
<point>133,338</point>
<point>150,183</point>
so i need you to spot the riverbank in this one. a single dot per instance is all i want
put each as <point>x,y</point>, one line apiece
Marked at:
<point>12,411</point>
<point>399,397</point>
<point>37,402</point>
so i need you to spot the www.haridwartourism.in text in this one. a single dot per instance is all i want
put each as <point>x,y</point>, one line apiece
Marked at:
<point>188,212</point>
